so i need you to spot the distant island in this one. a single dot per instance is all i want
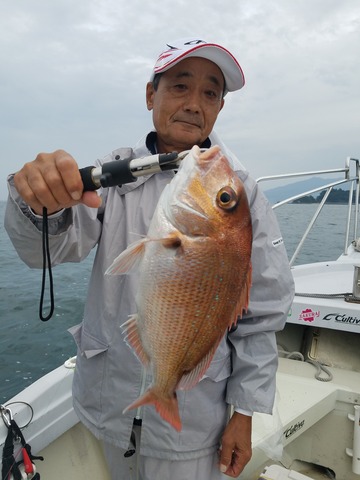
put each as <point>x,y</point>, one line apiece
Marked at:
<point>337,195</point>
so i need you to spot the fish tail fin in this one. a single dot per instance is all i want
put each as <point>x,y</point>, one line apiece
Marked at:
<point>167,408</point>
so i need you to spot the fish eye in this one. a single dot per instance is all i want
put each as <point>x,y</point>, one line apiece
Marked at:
<point>226,198</point>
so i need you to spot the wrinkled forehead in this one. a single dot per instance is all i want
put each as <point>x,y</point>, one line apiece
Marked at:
<point>197,68</point>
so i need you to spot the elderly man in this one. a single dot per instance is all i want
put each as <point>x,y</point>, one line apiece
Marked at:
<point>185,94</point>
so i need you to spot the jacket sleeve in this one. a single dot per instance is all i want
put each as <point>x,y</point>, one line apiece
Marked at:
<point>72,232</point>
<point>252,384</point>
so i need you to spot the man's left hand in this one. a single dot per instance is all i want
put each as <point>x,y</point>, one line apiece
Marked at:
<point>236,450</point>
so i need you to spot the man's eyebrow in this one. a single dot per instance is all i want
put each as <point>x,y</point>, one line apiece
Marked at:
<point>187,74</point>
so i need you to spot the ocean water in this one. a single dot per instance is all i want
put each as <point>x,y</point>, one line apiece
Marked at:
<point>29,348</point>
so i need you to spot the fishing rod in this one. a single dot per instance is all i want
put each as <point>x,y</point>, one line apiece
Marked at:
<point>118,172</point>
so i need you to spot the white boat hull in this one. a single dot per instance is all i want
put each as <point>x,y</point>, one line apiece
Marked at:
<point>68,448</point>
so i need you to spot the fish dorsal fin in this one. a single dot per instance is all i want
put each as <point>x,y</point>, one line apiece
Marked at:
<point>133,339</point>
<point>190,379</point>
<point>243,301</point>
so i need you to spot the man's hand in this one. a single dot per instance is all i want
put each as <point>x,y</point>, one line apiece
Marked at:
<point>53,181</point>
<point>236,450</point>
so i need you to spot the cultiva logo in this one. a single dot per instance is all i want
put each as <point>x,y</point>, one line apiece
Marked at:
<point>309,315</point>
<point>294,428</point>
<point>342,318</point>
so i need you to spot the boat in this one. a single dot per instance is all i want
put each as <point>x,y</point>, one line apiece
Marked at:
<point>314,432</point>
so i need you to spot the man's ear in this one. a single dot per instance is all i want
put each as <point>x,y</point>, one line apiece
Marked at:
<point>150,95</point>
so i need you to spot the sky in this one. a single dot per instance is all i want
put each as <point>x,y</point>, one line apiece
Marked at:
<point>73,76</point>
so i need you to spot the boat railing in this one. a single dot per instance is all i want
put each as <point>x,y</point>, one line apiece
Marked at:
<point>351,177</point>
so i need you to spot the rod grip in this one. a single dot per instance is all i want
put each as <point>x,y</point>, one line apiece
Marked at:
<point>89,185</point>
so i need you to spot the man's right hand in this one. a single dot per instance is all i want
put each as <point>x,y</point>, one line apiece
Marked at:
<point>53,181</point>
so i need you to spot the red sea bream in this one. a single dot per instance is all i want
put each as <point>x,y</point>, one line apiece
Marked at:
<point>195,276</point>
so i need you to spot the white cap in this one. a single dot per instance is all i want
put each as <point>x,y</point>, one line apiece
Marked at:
<point>190,47</point>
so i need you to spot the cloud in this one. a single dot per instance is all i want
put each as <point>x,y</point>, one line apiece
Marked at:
<point>74,75</point>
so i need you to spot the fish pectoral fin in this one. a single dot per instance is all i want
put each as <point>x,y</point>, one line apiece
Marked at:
<point>190,379</point>
<point>172,241</point>
<point>128,259</point>
<point>133,339</point>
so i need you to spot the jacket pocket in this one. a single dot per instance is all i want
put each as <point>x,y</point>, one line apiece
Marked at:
<point>89,374</point>
<point>88,345</point>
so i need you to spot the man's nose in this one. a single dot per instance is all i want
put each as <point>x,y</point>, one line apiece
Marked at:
<point>192,102</point>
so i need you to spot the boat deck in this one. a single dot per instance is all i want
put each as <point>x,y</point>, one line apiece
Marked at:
<point>305,407</point>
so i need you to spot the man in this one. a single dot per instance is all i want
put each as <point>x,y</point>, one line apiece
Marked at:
<point>185,94</point>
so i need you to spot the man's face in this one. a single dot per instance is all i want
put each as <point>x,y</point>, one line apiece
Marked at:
<point>186,103</point>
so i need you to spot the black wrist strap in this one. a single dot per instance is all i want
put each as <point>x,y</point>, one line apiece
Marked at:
<point>46,263</point>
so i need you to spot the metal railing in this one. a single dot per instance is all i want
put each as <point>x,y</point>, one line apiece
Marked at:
<point>351,178</point>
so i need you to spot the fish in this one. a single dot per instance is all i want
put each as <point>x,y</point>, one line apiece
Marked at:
<point>194,277</point>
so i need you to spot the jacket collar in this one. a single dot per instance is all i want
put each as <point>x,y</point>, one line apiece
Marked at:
<point>152,138</point>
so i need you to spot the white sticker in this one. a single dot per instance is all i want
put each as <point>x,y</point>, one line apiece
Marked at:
<point>277,242</point>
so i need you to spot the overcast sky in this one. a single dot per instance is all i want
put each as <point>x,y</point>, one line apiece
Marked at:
<point>73,75</point>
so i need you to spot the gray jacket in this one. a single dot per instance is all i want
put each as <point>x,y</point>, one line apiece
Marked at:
<point>108,376</point>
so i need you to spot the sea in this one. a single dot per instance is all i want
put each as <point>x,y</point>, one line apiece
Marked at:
<point>30,348</point>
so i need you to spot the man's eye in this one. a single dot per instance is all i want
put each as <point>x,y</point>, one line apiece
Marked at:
<point>212,94</point>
